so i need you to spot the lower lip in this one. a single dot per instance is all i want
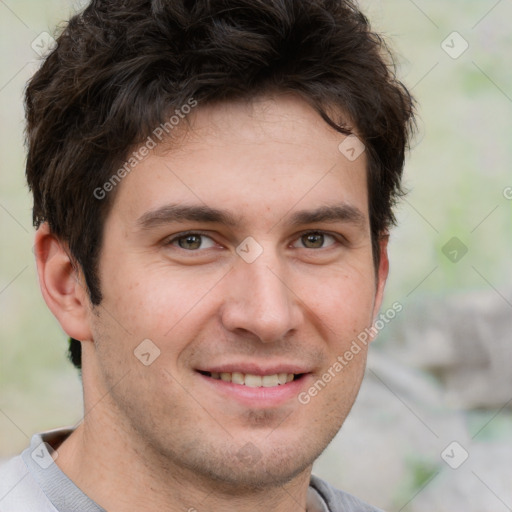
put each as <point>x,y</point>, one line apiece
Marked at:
<point>261,396</point>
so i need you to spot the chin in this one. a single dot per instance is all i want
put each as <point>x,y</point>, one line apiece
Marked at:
<point>238,478</point>
<point>252,468</point>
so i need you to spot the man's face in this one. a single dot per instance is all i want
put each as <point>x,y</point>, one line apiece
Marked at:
<point>177,268</point>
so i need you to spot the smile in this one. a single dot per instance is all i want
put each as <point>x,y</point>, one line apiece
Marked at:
<point>252,380</point>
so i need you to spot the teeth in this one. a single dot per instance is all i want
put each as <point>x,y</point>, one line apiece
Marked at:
<point>225,377</point>
<point>282,378</point>
<point>270,380</point>
<point>254,381</point>
<point>237,378</point>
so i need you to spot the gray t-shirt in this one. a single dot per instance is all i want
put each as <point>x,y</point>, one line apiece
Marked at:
<point>32,482</point>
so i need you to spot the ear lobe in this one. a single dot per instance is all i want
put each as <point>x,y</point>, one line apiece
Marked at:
<point>61,285</point>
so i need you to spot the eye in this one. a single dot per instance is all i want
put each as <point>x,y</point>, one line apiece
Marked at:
<point>192,241</point>
<point>315,240</point>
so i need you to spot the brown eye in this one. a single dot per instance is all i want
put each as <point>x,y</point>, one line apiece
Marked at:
<point>190,242</point>
<point>313,240</point>
<point>193,241</point>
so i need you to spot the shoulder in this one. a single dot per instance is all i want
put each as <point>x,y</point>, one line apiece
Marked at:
<point>19,492</point>
<point>338,501</point>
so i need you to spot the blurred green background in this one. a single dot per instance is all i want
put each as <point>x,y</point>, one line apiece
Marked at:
<point>457,174</point>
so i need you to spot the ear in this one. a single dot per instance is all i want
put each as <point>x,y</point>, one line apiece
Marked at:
<point>382,272</point>
<point>61,284</point>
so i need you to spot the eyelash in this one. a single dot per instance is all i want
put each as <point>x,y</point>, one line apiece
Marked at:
<point>337,237</point>
<point>180,236</point>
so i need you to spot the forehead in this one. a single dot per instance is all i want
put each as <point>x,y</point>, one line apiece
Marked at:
<point>258,159</point>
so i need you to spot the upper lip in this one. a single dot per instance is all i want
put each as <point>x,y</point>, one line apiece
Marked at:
<point>255,368</point>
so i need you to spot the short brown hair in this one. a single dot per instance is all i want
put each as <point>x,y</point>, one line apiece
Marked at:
<point>121,67</point>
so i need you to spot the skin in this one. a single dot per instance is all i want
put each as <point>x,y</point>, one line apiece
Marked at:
<point>161,437</point>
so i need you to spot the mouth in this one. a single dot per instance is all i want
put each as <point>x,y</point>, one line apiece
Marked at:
<point>252,380</point>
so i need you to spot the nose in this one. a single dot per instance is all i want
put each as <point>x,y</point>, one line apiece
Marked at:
<point>260,303</point>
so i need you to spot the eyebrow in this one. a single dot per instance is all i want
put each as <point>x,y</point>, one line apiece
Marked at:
<point>182,213</point>
<point>335,213</point>
<point>205,214</point>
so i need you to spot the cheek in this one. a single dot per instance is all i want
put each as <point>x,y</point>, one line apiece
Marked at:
<point>343,303</point>
<point>154,300</point>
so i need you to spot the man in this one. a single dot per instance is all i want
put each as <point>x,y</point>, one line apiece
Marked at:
<point>213,184</point>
